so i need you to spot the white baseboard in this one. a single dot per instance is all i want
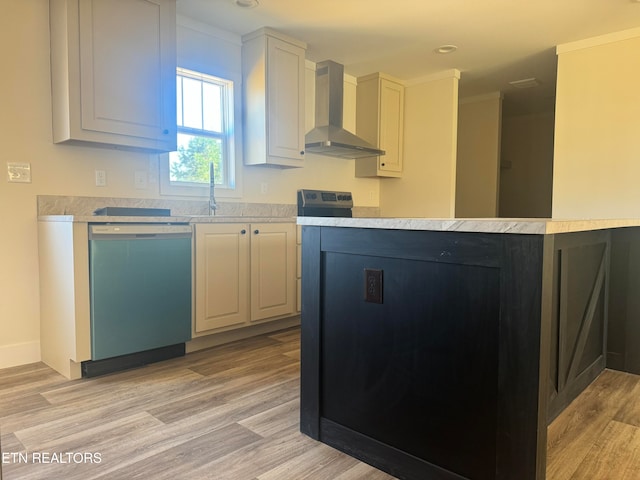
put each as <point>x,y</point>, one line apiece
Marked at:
<point>213,340</point>
<point>19,354</point>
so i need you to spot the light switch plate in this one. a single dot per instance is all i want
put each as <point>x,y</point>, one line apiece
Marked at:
<point>18,172</point>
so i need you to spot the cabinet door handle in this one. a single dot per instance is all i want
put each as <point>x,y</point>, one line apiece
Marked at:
<point>243,231</point>
<point>301,152</point>
<point>256,232</point>
<point>165,132</point>
<point>382,164</point>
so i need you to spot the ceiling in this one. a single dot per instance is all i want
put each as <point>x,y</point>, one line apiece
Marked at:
<point>498,40</point>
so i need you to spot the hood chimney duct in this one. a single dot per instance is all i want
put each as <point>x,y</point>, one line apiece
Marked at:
<point>329,137</point>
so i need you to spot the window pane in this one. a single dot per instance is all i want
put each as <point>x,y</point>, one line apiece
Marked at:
<point>205,135</point>
<point>191,162</point>
<point>192,102</point>
<point>212,104</point>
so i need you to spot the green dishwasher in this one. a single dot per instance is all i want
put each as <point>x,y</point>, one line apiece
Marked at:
<point>140,287</point>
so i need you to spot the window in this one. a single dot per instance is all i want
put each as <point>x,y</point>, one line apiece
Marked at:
<point>205,136</point>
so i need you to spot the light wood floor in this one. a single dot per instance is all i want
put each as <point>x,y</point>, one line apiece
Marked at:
<point>227,413</point>
<point>231,413</point>
<point>598,436</point>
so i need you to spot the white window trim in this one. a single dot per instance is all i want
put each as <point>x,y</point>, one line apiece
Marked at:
<point>235,156</point>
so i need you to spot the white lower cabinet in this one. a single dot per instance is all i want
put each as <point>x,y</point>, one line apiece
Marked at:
<point>273,270</point>
<point>244,274</point>
<point>221,276</point>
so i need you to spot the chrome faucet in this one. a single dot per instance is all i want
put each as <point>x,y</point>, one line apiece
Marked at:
<point>213,206</point>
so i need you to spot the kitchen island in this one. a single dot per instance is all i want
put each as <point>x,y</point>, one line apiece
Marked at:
<point>442,348</point>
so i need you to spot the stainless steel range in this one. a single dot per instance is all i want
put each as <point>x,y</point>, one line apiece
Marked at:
<point>324,203</point>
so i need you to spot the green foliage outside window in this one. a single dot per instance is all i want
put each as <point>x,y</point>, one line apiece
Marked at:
<point>192,164</point>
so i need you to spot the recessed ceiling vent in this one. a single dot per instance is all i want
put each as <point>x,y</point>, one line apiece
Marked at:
<point>246,3</point>
<point>526,83</point>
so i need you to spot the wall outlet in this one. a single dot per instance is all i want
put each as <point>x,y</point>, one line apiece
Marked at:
<point>101,178</point>
<point>140,179</point>
<point>18,172</point>
<point>264,187</point>
<point>372,285</point>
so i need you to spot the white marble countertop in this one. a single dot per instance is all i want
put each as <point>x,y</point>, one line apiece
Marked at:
<point>531,226</point>
<point>171,219</point>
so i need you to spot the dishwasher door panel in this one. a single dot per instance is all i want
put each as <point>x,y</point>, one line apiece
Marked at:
<point>140,294</point>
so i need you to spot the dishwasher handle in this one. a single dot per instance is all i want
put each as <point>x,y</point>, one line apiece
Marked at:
<point>138,231</point>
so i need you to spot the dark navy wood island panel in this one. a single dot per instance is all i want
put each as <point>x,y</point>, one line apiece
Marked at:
<point>447,377</point>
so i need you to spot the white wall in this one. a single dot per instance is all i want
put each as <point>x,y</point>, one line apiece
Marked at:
<point>597,145</point>
<point>427,187</point>
<point>478,164</point>
<point>25,131</point>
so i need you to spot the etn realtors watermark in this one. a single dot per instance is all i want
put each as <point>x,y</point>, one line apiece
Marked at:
<point>51,457</point>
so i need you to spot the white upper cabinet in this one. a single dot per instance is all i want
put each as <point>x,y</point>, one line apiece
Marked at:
<point>273,70</point>
<point>113,73</point>
<point>380,121</point>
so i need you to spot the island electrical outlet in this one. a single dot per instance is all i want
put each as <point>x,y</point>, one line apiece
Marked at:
<point>372,285</point>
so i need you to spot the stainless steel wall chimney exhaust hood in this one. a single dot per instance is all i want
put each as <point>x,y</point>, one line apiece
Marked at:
<point>328,137</point>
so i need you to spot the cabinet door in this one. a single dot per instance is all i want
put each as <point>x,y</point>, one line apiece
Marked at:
<point>127,68</point>
<point>391,125</point>
<point>222,276</point>
<point>380,121</point>
<point>285,99</point>
<point>273,270</point>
